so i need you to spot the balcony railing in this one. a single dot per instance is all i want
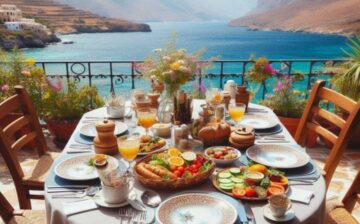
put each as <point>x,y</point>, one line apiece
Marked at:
<point>118,76</point>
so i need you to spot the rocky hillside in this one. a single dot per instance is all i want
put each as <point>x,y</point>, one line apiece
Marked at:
<point>65,19</point>
<point>320,16</point>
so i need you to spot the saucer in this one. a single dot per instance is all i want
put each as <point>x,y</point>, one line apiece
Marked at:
<point>99,200</point>
<point>289,215</point>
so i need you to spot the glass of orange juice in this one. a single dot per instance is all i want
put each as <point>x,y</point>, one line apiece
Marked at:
<point>129,147</point>
<point>236,111</point>
<point>146,117</point>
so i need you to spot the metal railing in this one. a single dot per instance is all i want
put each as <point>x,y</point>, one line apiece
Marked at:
<point>123,75</point>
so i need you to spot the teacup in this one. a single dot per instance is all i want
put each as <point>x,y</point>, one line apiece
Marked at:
<point>118,194</point>
<point>279,204</point>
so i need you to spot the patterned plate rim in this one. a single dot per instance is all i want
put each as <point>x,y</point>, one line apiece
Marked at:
<point>71,158</point>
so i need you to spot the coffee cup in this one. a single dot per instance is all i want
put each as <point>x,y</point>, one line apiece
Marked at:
<point>279,204</point>
<point>117,194</point>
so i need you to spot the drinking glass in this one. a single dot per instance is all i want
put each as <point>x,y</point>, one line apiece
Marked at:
<point>129,147</point>
<point>146,117</point>
<point>236,111</point>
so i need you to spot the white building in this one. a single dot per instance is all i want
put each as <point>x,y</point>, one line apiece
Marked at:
<point>9,13</point>
<point>11,16</point>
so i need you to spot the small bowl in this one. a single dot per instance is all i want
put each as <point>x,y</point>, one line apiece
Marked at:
<point>223,161</point>
<point>162,129</point>
<point>253,177</point>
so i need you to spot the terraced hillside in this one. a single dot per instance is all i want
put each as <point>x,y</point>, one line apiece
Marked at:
<point>65,19</point>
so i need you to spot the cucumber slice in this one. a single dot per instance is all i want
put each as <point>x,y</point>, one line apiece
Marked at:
<point>237,180</point>
<point>224,181</point>
<point>235,171</point>
<point>226,187</point>
<point>224,175</point>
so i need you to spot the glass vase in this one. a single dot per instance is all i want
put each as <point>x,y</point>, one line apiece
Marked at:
<point>166,108</point>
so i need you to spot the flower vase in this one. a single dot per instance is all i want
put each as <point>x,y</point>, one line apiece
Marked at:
<point>166,108</point>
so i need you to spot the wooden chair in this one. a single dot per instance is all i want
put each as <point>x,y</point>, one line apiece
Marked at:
<point>9,215</point>
<point>346,127</point>
<point>13,138</point>
<point>341,212</point>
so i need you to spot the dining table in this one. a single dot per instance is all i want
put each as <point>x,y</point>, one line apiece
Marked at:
<point>312,212</point>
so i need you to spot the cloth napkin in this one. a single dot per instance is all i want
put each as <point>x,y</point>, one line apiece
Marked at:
<point>71,208</point>
<point>300,195</point>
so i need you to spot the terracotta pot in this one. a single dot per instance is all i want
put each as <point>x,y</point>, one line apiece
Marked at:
<point>61,129</point>
<point>242,95</point>
<point>12,117</point>
<point>291,124</point>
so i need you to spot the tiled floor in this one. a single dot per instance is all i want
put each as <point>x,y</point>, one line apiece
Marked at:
<point>343,177</point>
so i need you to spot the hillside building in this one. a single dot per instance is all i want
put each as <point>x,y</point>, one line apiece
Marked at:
<point>12,19</point>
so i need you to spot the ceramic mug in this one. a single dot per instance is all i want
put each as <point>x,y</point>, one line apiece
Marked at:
<point>116,195</point>
<point>279,205</point>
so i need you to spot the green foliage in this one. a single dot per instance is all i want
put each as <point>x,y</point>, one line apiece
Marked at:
<point>49,99</point>
<point>346,77</point>
<point>286,101</point>
<point>72,102</point>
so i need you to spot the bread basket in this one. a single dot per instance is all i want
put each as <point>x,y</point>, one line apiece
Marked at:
<point>174,184</point>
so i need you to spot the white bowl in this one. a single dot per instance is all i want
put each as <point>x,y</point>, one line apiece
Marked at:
<point>162,129</point>
<point>223,161</point>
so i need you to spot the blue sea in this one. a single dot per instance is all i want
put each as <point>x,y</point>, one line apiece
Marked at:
<point>217,38</point>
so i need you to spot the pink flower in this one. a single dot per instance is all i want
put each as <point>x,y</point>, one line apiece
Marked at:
<point>202,87</point>
<point>269,69</point>
<point>280,86</point>
<point>57,86</point>
<point>276,90</point>
<point>5,88</point>
<point>196,85</point>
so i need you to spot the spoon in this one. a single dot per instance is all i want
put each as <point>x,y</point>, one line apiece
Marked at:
<point>135,203</point>
<point>150,198</point>
<point>90,191</point>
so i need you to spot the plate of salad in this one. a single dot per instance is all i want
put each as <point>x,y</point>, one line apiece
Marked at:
<point>252,182</point>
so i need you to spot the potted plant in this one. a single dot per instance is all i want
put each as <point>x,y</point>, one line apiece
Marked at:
<point>63,107</point>
<point>287,103</point>
<point>346,80</point>
<point>115,106</point>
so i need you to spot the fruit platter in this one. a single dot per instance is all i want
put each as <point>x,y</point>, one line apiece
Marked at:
<point>149,144</point>
<point>173,169</point>
<point>252,182</point>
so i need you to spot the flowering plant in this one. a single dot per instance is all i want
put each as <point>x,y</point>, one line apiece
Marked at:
<point>69,103</point>
<point>285,101</point>
<point>261,71</point>
<point>172,67</point>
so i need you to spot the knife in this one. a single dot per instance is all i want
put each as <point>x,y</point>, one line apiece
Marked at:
<point>242,213</point>
<point>249,214</point>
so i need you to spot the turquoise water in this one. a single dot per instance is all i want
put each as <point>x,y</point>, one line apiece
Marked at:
<point>217,38</point>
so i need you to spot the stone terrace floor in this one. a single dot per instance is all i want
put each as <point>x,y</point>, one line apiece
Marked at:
<point>342,179</point>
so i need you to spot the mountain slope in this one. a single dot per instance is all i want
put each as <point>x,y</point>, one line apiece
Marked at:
<point>320,16</point>
<point>166,10</point>
<point>65,19</point>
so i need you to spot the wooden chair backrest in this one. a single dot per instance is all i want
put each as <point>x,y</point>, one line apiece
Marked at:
<point>12,136</point>
<point>346,126</point>
<point>6,210</point>
<point>353,195</point>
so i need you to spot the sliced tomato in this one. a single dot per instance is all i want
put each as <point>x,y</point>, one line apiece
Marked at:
<point>250,192</point>
<point>275,189</point>
<point>173,168</point>
<point>238,193</point>
<point>283,181</point>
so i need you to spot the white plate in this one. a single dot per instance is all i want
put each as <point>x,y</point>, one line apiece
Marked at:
<point>277,156</point>
<point>89,130</point>
<point>259,122</point>
<point>289,215</point>
<point>77,168</point>
<point>195,208</point>
<point>99,200</point>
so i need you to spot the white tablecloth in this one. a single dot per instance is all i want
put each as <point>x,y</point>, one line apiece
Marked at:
<point>305,213</point>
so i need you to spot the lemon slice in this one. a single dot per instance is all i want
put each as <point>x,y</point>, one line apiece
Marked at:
<point>174,151</point>
<point>188,156</point>
<point>176,161</point>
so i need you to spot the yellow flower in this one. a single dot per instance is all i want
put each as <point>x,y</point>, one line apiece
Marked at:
<point>175,66</point>
<point>30,61</point>
<point>46,95</point>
